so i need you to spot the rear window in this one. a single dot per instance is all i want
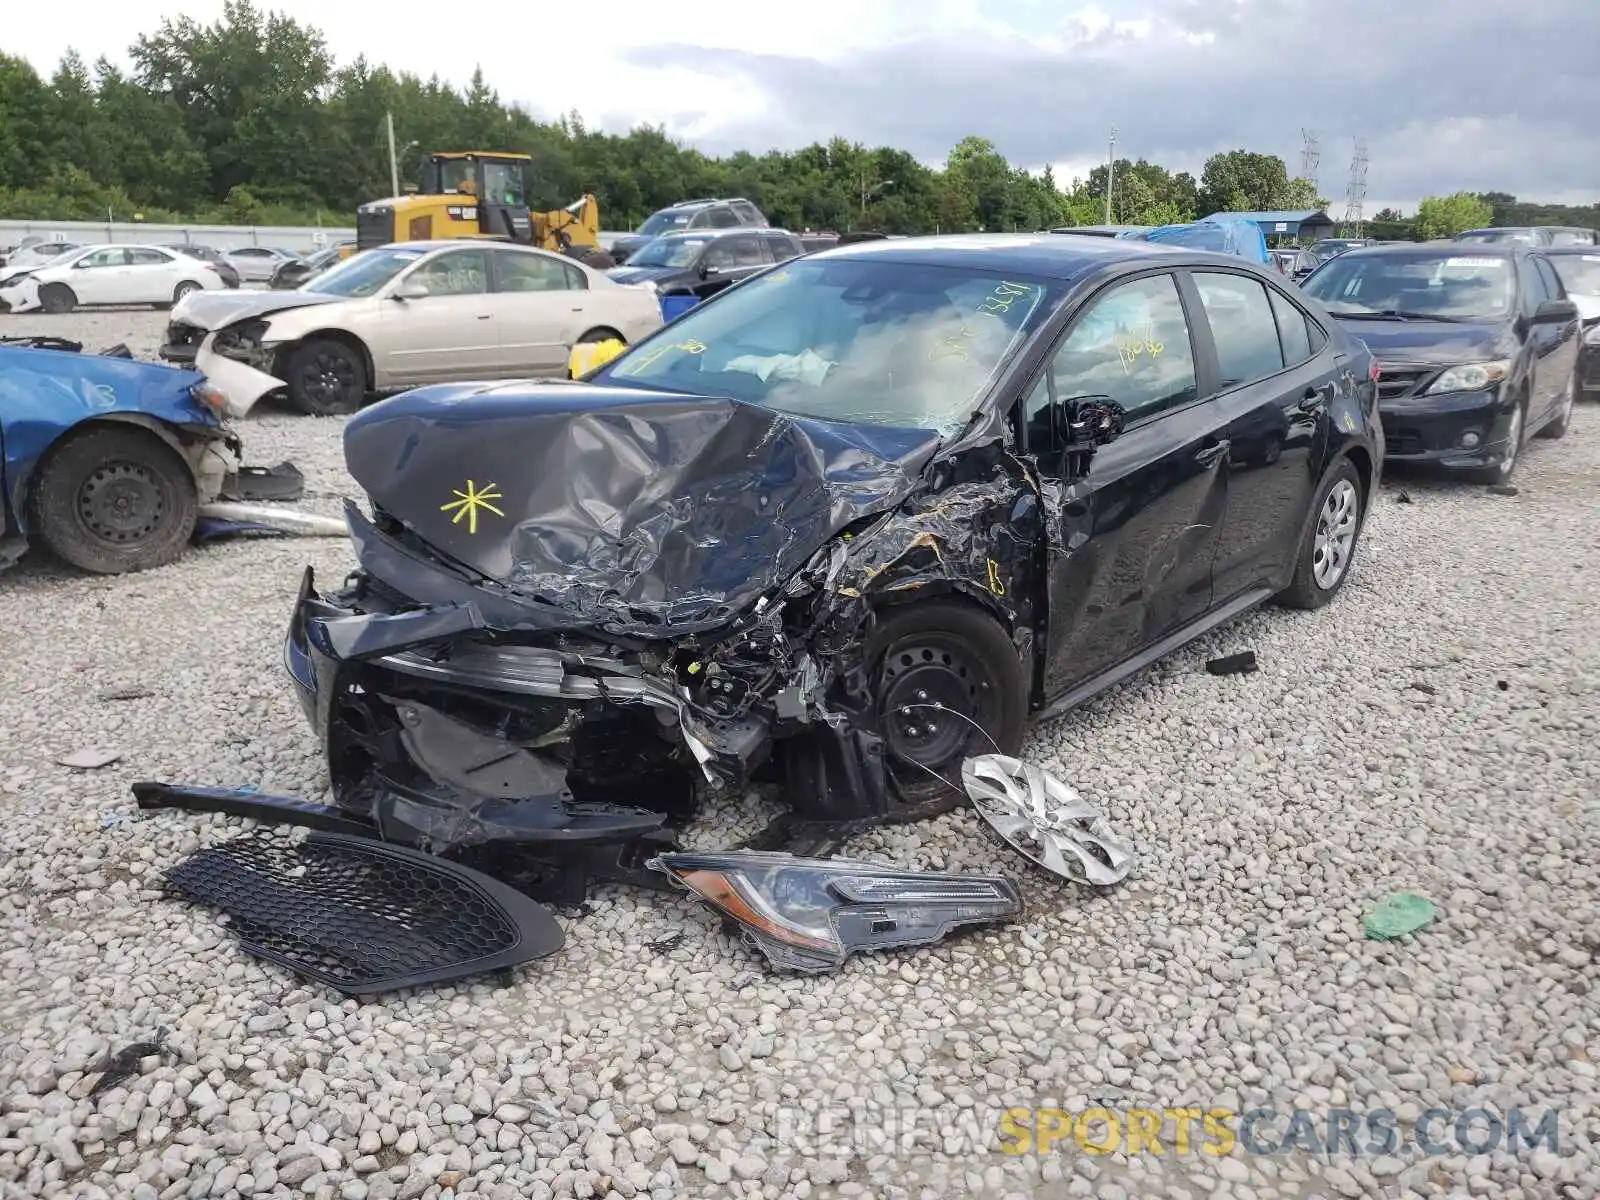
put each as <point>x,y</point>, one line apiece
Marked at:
<point>1579,272</point>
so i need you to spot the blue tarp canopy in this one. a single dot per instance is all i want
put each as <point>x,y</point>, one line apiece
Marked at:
<point>1222,234</point>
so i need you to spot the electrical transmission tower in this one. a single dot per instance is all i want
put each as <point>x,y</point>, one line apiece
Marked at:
<point>1310,156</point>
<point>1356,195</point>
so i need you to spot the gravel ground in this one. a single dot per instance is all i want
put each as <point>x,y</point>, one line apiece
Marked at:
<point>1436,729</point>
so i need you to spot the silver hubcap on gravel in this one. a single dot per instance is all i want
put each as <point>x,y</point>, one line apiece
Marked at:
<point>1336,534</point>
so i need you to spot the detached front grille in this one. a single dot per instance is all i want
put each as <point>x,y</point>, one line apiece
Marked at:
<point>1398,381</point>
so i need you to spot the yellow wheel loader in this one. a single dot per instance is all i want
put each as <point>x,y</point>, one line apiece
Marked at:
<point>475,194</point>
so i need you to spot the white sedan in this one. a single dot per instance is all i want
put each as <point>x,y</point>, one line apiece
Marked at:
<point>406,314</point>
<point>256,264</point>
<point>93,275</point>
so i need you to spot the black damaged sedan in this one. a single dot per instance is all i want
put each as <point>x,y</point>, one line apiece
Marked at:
<point>850,522</point>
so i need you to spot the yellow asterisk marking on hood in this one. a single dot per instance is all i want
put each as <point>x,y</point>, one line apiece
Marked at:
<point>470,501</point>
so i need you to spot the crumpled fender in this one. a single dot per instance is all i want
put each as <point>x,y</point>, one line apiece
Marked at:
<point>241,384</point>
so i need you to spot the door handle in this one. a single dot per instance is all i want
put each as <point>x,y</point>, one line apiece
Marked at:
<point>1207,455</point>
<point>1315,398</point>
<point>577,308</point>
<point>484,316</point>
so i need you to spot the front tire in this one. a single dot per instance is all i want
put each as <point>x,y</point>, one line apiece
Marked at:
<point>326,378</point>
<point>112,500</point>
<point>1557,429</point>
<point>935,658</point>
<point>1501,471</point>
<point>57,298</point>
<point>1329,547</point>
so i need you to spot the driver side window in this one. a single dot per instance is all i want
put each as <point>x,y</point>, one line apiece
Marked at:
<point>1130,344</point>
<point>720,254</point>
<point>105,258</point>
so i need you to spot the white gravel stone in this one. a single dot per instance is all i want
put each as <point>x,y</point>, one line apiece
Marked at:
<point>1269,811</point>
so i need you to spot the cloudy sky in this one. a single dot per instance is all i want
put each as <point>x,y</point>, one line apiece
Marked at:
<point>1468,94</point>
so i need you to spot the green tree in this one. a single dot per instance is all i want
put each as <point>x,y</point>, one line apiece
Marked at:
<point>1243,181</point>
<point>1446,216</point>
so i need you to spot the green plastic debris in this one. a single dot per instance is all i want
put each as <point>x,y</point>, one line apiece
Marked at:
<point>1398,914</point>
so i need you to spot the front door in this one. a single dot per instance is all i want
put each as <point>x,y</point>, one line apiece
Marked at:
<point>1560,341</point>
<point>1131,545</point>
<point>448,335</point>
<point>730,259</point>
<point>1275,419</point>
<point>101,277</point>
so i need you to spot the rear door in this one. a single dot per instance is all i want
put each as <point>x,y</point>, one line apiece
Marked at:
<point>1132,545</point>
<point>1272,373</point>
<point>153,275</point>
<point>448,335</point>
<point>541,307</point>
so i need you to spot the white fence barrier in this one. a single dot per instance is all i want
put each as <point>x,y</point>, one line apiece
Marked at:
<point>300,239</point>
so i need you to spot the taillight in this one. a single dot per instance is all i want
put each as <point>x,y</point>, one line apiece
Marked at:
<point>1375,371</point>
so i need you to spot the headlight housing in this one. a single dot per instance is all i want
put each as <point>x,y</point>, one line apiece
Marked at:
<point>241,340</point>
<point>810,914</point>
<point>1591,334</point>
<point>1471,377</point>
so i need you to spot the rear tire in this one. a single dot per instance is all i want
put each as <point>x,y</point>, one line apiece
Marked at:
<point>57,298</point>
<point>112,500</point>
<point>957,656</point>
<point>1328,550</point>
<point>185,288</point>
<point>600,335</point>
<point>326,378</point>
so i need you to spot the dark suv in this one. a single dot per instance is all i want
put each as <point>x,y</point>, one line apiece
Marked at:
<point>686,215</point>
<point>702,264</point>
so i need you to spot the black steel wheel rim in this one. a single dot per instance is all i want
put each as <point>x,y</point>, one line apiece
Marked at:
<point>122,502</point>
<point>922,675</point>
<point>328,378</point>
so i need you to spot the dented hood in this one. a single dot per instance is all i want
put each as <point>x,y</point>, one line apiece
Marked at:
<point>213,310</point>
<point>625,507</point>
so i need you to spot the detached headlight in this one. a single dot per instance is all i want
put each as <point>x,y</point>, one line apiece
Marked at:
<point>1470,377</point>
<point>810,914</point>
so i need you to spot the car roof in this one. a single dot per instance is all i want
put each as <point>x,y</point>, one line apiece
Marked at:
<point>428,247</point>
<point>1436,248</point>
<point>1590,251</point>
<point>699,235</point>
<point>1040,254</point>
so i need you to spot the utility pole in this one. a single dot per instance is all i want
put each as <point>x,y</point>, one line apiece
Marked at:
<point>1111,170</point>
<point>394,162</point>
<point>1355,195</point>
<point>1310,156</point>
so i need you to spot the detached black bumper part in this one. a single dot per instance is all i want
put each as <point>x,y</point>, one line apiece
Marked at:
<point>363,917</point>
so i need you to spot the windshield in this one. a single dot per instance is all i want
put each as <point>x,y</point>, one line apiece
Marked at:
<point>668,252</point>
<point>1445,286</point>
<point>502,184</point>
<point>362,274</point>
<point>665,221</point>
<point>854,340</point>
<point>1579,272</point>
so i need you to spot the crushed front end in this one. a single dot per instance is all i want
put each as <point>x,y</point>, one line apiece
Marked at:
<point>657,596</point>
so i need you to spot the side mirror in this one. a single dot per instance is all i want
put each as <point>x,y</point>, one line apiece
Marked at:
<point>1555,312</point>
<point>410,289</point>
<point>1079,426</point>
<point>707,270</point>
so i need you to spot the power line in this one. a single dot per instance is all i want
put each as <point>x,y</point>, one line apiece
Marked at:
<point>1356,194</point>
<point>1310,156</point>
